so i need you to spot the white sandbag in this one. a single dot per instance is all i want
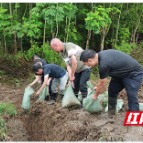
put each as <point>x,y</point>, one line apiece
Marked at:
<point>69,98</point>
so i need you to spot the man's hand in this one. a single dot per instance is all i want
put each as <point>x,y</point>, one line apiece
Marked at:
<point>72,78</point>
<point>37,93</point>
<point>30,85</point>
<point>94,88</point>
<point>48,83</point>
<point>94,97</point>
<point>72,83</point>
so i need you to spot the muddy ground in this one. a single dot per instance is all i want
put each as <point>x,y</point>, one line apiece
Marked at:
<point>53,123</point>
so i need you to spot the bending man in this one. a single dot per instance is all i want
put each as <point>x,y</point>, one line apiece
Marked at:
<point>125,71</point>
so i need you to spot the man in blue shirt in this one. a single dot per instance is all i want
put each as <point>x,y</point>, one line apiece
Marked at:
<point>59,74</point>
<point>37,59</point>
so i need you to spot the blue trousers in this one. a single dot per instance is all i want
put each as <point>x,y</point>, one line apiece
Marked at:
<point>132,84</point>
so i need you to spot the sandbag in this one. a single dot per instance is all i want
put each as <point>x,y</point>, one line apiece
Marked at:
<point>79,97</point>
<point>26,98</point>
<point>88,103</point>
<point>69,97</point>
<point>118,106</point>
<point>140,106</point>
<point>103,97</point>
<point>43,93</point>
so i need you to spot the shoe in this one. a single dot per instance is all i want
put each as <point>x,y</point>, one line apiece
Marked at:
<point>51,102</point>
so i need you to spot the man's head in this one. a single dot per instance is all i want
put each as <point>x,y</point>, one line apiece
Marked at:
<point>88,57</point>
<point>37,68</point>
<point>56,45</point>
<point>35,57</point>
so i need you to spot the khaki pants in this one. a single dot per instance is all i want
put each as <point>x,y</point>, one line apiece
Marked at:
<point>62,81</point>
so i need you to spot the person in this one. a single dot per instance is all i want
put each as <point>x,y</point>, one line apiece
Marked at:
<point>79,73</point>
<point>125,72</point>
<point>59,74</point>
<point>40,78</point>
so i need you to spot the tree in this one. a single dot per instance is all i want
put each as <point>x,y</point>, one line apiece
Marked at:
<point>99,21</point>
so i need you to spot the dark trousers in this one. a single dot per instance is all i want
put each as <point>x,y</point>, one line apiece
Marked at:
<point>80,82</point>
<point>50,90</point>
<point>132,84</point>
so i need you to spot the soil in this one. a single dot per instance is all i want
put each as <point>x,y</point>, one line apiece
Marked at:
<point>44,122</point>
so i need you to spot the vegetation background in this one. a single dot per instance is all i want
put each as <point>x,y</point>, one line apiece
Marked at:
<point>27,29</point>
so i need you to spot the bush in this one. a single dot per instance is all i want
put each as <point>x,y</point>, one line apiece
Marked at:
<point>46,53</point>
<point>8,109</point>
<point>126,47</point>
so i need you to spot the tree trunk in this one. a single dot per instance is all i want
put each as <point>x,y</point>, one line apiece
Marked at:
<point>57,25</point>
<point>88,38</point>
<point>137,38</point>
<point>89,32</point>
<point>30,7</point>
<point>68,27</point>
<point>135,30</point>
<point>102,42</point>
<point>65,30</point>
<point>5,48</point>
<point>118,25</point>
<point>112,28</point>
<point>44,33</point>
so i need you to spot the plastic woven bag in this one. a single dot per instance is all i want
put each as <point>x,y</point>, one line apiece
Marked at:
<point>26,98</point>
<point>88,103</point>
<point>43,93</point>
<point>140,106</point>
<point>69,97</point>
<point>103,97</point>
<point>118,106</point>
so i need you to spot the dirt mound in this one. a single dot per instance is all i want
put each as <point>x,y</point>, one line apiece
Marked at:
<point>53,123</point>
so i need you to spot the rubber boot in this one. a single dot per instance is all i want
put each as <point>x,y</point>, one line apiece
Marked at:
<point>112,101</point>
<point>53,98</point>
<point>47,98</point>
<point>61,96</point>
<point>84,95</point>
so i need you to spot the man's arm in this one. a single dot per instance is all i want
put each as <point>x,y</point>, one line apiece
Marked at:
<point>69,72</point>
<point>73,68</point>
<point>37,78</point>
<point>99,88</point>
<point>48,83</point>
<point>43,85</point>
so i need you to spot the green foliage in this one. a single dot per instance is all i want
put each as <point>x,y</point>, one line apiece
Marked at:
<point>3,129</point>
<point>126,47</point>
<point>46,53</point>
<point>124,34</point>
<point>8,108</point>
<point>97,20</point>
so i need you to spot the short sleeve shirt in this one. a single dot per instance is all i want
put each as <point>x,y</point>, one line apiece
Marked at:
<point>116,64</point>
<point>70,49</point>
<point>54,71</point>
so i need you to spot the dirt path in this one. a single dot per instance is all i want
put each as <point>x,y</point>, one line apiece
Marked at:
<point>53,123</point>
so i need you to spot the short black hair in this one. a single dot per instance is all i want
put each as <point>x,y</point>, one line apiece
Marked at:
<point>87,54</point>
<point>36,67</point>
<point>35,57</point>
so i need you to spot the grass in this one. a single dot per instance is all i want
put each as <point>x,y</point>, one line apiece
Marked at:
<point>8,108</point>
<point>3,129</point>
